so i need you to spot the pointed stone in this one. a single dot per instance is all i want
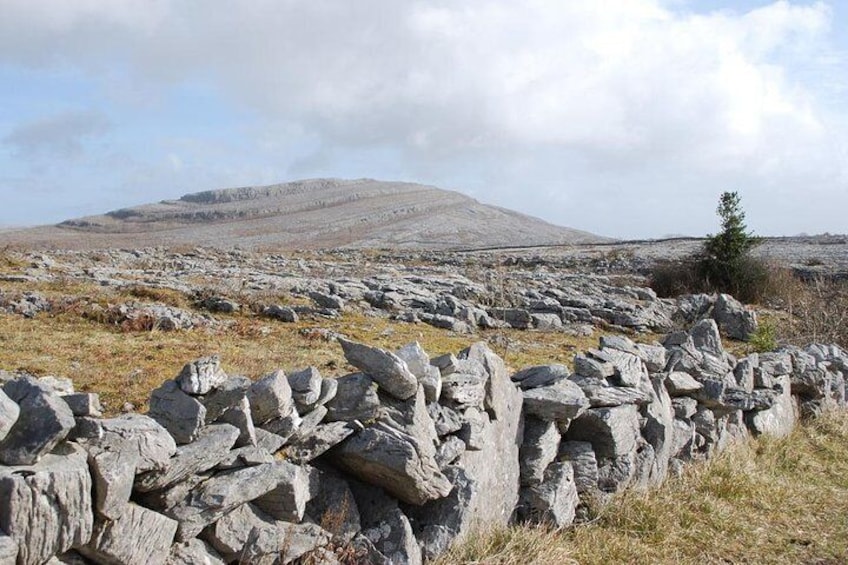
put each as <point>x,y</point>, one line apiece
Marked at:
<point>387,369</point>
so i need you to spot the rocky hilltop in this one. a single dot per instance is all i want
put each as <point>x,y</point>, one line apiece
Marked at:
<point>317,213</point>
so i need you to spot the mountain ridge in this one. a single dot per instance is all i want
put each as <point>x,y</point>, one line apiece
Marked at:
<point>317,213</point>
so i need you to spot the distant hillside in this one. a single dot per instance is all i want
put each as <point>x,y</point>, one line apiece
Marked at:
<point>318,213</point>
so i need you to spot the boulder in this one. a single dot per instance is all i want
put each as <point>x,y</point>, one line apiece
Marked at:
<point>385,525</point>
<point>397,453</point>
<point>389,371</point>
<point>281,313</point>
<point>46,507</point>
<point>270,397</point>
<point>681,384</point>
<point>307,447</point>
<point>658,429</point>
<point>419,364</point>
<point>462,390</point>
<point>593,368</point>
<point>584,464</point>
<point>446,419</point>
<point>137,537</point>
<point>201,376</point>
<point>8,550</point>
<point>629,369</point>
<point>600,393</point>
<point>355,399</point>
<point>84,404</point>
<point>333,505</point>
<point>179,413</point>
<point>733,318</point>
<point>241,417</point>
<point>780,419</point>
<point>449,451</point>
<point>43,421</point>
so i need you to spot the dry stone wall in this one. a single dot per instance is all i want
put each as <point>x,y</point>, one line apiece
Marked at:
<point>390,464</point>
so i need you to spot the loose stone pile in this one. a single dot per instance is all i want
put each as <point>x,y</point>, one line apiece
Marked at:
<point>391,464</point>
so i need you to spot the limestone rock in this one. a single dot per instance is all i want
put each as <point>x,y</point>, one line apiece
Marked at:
<point>212,444</point>
<point>46,507</point>
<point>228,394</point>
<point>446,419</point>
<point>560,401</point>
<point>398,454</point>
<point>355,399</point>
<point>132,432</point>
<point>386,526</point>
<point>601,394</point>
<point>113,473</point>
<point>287,501</point>
<point>321,439</point>
<point>583,463</point>
<point>594,368</point>
<point>449,451</point>
<point>193,552</point>
<point>543,375</point>
<point>8,550</point>
<point>44,420</point>
<point>418,362</point>
<point>681,384</point>
<point>218,495</point>
<point>463,390</point>
<point>329,389</point>
<point>182,415</point>
<point>84,404</point>
<point>613,432</point>
<point>538,450</point>
<point>201,376</point>
<point>387,369</point>
<point>733,318</point>
<point>138,537</point>
<point>333,505</point>
<point>270,397</point>
<point>9,412</point>
<point>780,419</point>
<point>306,387</point>
<point>241,417</point>
<point>554,500</point>
<point>439,523</point>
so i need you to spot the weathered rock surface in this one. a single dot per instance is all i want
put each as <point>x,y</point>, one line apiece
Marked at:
<point>193,552</point>
<point>9,411</point>
<point>270,397</point>
<point>179,413</point>
<point>355,399</point>
<point>46,508</point>
<point>387,369</point>
<point>43,421</point>
<point>135,433</point>
<point>201,376</point>
<point>554,500</point>
<point>561,401</point>
<point>137,537</point>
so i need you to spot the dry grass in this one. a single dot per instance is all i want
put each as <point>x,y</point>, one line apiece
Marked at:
<point>764,501</point>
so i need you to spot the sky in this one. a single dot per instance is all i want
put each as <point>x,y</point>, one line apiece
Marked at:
<point>626,118</point>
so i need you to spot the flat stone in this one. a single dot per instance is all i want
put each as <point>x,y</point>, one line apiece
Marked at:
<point>601,394</point>
<point>591,367</point>
<point>247,456</point>
<point>419,365</point>
<point>356,399</point>
<point>44,420</point>
<point>201,376</point>
<point>179,413</point>
<point>272,443</point>
<point>446,363</point>
<point>562,400</point>
<point>320,440</point>
<point>681,384</point>
<point>270,397</point>
<point>284,427</point>
<point>463,390</point>
<point>629,368</point>
<point>46,508</point>
<point>138,537</point>
<point>213,443</point>
<point>216,496</point>
<point>543,375</point>
<point>388,370</point>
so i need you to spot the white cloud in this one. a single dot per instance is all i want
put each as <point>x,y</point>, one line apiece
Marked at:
<point>622,90</point>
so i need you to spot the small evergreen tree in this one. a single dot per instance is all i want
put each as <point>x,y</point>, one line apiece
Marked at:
<point>724,264</point>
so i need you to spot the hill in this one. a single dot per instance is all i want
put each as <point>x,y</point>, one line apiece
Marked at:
<point>310,214</point>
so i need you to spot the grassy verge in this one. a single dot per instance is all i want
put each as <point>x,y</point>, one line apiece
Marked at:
<point>763,501</point>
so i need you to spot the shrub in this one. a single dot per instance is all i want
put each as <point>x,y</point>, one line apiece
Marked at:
<point>765,338</point>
